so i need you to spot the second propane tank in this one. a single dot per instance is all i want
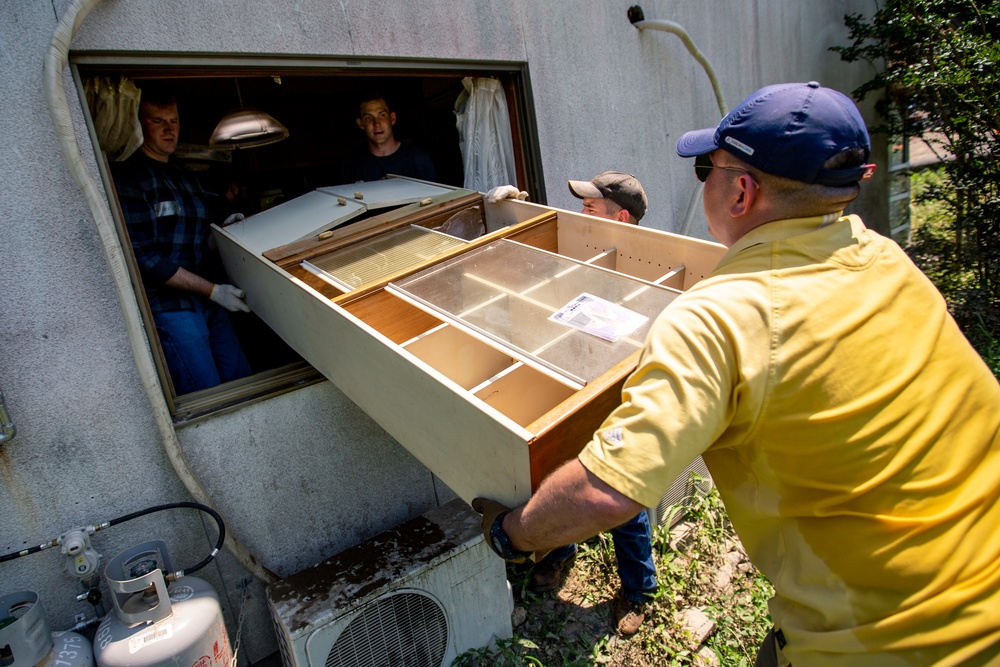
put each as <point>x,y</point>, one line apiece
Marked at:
<point>26,641</point>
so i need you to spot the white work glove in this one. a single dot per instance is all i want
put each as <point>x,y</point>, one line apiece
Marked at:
<point>229,297</point>
<point>505,192</point>
<point>235,217</point>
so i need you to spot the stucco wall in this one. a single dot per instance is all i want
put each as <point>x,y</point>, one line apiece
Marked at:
<point>307,473</point>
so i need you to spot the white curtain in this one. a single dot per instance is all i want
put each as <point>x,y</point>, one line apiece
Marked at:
<point>115,110</point>
<point>484,134</point>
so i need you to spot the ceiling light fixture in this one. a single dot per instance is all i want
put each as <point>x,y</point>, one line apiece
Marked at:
<point>246,128</point>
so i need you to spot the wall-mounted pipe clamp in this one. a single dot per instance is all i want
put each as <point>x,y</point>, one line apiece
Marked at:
<point>7,428</point>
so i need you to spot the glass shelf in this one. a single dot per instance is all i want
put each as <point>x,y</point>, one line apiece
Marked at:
<point>506,292</point>
<point>362,263</point>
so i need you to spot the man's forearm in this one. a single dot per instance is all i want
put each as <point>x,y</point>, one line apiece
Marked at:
<point>572,504</point>
<point>191,282</point>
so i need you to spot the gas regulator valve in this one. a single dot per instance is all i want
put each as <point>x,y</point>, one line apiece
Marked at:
<point>82,560</point>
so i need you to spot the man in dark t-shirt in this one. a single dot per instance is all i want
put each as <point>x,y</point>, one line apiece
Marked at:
<point>385,154</point>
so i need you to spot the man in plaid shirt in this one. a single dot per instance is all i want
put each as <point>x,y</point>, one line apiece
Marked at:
<point>168,214</point>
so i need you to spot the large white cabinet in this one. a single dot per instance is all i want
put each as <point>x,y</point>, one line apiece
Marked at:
<point>447,342</point>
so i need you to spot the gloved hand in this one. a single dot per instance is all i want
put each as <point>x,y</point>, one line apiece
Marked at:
<point>229,297</point>
<point>505,192</point>
<point>490,509</point>
<point>497,538</point>
<point>235,217</point>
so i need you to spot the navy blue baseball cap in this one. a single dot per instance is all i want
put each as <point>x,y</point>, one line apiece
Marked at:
<point>789,130</point>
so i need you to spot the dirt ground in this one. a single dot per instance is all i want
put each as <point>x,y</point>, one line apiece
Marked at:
<point>572,626</point>
<point>582,617</point>
<point>710,607</point>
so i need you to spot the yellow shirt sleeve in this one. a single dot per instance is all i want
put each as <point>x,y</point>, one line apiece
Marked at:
<point>700,380</point>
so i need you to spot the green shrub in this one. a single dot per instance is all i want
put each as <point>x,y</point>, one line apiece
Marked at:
<point>937,79</point>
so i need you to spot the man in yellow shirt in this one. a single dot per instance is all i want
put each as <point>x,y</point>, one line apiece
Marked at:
<point>852,431</point>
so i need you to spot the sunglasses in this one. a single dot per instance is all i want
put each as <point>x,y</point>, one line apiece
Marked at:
<point>703,165</point>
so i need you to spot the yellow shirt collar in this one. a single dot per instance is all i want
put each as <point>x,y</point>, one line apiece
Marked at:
<point>783,229</point>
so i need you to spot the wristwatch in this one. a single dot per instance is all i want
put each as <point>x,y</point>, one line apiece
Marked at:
<point>500,542</point>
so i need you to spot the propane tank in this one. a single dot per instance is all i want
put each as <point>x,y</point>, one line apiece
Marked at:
<point>25,639</point>
<point>154,624</point>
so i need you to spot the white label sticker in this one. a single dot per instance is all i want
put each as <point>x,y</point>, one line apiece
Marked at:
<point>165,208</point>
<point>157,633</point>
<point>599,317</point>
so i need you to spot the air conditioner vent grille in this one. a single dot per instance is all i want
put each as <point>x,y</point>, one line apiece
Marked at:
<point>400,630</point>
<point>681,492</point>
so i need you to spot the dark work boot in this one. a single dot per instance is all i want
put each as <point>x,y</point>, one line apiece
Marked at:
<point>629,615</point>
<point>549,574</point>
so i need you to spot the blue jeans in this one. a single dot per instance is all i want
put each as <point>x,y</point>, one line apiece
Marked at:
<point>201,347</point>
<point>634,552</point>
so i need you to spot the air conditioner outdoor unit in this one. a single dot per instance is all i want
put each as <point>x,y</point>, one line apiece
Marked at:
<point>417,595</point>
<point>683,489</point>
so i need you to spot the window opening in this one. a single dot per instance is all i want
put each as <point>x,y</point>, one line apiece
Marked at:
<point>318,104</point>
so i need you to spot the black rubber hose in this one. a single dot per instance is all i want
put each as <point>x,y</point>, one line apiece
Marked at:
<point>25,552</point>
<point>198,506</point>
<point>128,517</point>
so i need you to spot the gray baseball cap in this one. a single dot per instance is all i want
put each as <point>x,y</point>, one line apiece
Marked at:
<point>623,189</point>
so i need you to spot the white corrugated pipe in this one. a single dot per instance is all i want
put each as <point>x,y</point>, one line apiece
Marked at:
<point>55,64</point>
<point>677,29</point>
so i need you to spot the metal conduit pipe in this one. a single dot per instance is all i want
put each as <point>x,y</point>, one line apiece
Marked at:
<point>639,21</point>
<point>55,63</point>
<point>7,428</point>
